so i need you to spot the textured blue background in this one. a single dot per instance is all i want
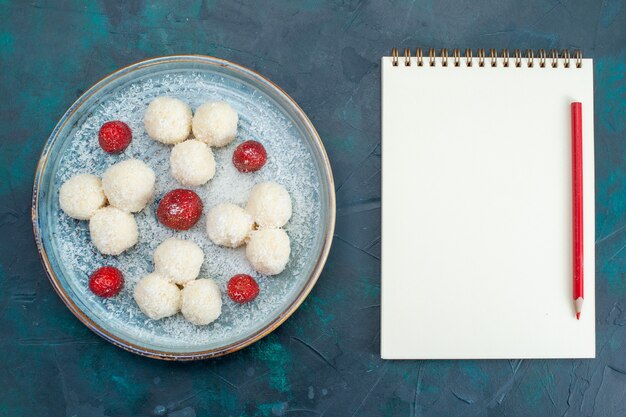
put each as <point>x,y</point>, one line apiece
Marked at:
<point>324,361</point>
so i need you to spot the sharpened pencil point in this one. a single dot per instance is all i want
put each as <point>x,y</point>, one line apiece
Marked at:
<point>577,316</point>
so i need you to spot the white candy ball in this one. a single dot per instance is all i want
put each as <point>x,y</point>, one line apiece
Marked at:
<point>178,260</point>
<point>167,120</point>
<point>129,185</point>
<point>157,297</point>
<point>269,204</point>
<point>81,196</point>
<point>201,301</point>
<point>192,163</point>
<point>268,251</point>
<point>113,230</point>
<point>228,225</point>
<point>215,123</point>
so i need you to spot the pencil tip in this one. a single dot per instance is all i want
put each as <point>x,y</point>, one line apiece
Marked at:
<point>577,316</point>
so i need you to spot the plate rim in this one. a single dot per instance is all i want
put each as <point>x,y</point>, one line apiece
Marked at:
<point>156,353</point>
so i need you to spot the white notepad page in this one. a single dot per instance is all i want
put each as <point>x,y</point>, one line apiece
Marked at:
<point>477,211</point>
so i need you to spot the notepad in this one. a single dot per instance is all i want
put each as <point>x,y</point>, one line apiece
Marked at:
<point>477,206</point>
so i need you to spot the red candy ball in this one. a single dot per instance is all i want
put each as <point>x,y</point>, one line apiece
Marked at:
<point>180,209</point>
<point>114,136</point>
<point>250,156</point>
<point>242,288</point>
<point>106,282</point>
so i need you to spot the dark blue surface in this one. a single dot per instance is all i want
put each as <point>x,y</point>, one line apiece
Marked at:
<point>324,361</point>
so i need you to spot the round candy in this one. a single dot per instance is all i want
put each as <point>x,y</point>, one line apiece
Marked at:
<point>215,123</point>
<point>250,156</point>
<point>106,282</point>
<point>192,163</point>
<point>242,288</point>
<point>129,185</point>
<point>167,120</point>
<point>228,225</point>
<point>114,136</point>
<point>201,301</point>
<point>180,209</point>
<point>81,196</point>
<point>178,260</point>
<point>113,230</point>
<point>268,251</point>
<point>269,204</point>
<point>157,297</point>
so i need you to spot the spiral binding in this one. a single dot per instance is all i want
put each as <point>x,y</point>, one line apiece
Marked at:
<point>481,57</point>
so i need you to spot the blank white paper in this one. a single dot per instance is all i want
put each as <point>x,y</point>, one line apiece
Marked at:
<point>477,211</point>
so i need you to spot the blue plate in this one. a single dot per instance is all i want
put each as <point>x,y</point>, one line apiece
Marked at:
<point>296,159</point>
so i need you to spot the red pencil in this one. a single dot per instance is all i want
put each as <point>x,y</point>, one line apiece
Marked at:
<point>577,207</point>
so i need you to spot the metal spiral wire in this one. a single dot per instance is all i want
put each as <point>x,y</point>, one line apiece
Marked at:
<point>529,58</point>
